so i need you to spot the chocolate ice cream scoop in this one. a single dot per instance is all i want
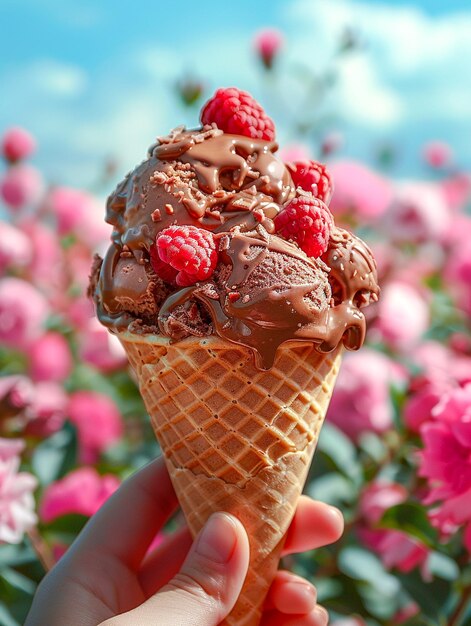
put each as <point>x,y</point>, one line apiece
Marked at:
<point>264,290</point>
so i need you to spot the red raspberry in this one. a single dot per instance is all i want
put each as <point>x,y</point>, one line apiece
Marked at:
<point>235,111</point>
<point>313,177</point>
<point>307,221</point>
<point>184,255</point>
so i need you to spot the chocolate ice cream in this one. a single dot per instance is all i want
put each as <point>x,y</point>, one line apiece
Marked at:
<point>264,289</point>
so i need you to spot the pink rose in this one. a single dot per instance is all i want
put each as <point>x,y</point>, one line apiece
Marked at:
<point>15,249</point>
<point>418,213</point>
<point>446,460</point>
<point>268,43</point>
<point>458,273</point>
<point>16,493</point>
<point>457,190</point>
<point>47,410</point>
<point>437,154</point>
<point>331,142</point>
<point>50,358</point>
<point>72,208</point>
<point>361,400</point>
<point>406,612</point>
<point>17,144</point>
<point>395,548</point>
<point>98,423</point>
<point>403,316</point>
<point>100,348</point>
<point>359,191</point>
<point>81,492</point>
<point>20,186</point>
<point>295,152</point>
<point>419,406</point>
<point>16,393</point>
<point>23,312</point>
<point>380,496</point>
<point>46,268</point>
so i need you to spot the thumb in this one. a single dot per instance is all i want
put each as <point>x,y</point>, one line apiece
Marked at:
<point>205,590</point>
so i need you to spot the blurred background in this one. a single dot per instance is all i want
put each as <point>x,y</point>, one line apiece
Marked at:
<point>381,92</point>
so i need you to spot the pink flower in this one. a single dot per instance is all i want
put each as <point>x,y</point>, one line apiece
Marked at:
<point>437,154</point>
<point>361,400</point>
<point>47,409</point>
<point>16,393</point>
<point>20,186</point>
<point>359,191</point>
<point>17,144</point>
<point>332,142</point>
<point>50,358</point>
<point>81,492</point>
<point>23,312</point>
<point>98,423</point>
<point>72,209</point>
<point>295,152</point>
<point>418,213</point>
<point>394,547</point>
<point>406,612</point>
<point>100,348</point>
<point>268,43</point>
<point>46,267</point>
<point>16,498</point>
<point>446,460</point>
<point>378,497</point>
<point>458,269</point>
<point>457,190</point>
<point>403,316</point>
<point>398,550</point>
<point>15,249</point>
<point>348,621</point>
<point>418,408</point>
<point>458,273</point>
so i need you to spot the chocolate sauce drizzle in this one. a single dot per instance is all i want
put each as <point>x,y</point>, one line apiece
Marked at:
<point>233,186</point>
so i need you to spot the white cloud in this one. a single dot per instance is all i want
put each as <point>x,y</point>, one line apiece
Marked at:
<point>411,72</point>
<point>45,78</point>
<point>414,64</point>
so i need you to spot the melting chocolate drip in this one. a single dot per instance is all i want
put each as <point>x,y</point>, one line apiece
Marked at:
<point>233,186</point>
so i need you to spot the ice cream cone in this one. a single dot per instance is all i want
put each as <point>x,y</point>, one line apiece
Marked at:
<point>236,438</point>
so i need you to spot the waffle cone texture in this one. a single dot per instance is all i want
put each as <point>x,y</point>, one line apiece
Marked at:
<point>235,438</point>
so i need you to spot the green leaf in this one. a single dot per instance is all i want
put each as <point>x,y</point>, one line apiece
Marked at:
<point>332,488</point>
<point>412,519</point>
<point>431,596</point>
<point>365,566</point>
<point>443,566</point>
<point>327,588</point>
<point>55,456</point>
<point>6,618</point>
<point>13,555</point>
<point>18,581</point>
<point>340,451</point>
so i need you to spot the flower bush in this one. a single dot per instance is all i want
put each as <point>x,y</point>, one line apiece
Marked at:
<point>394,454</point>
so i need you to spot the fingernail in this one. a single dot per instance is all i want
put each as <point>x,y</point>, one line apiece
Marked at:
<point>322,615</point>
<point>218,539</point>
<point>304,592</point>
<point>335,512</point>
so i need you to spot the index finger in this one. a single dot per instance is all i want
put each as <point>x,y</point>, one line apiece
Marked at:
<point>127,523</point>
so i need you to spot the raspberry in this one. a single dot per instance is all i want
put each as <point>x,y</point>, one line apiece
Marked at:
<point>184,255</point>
<point>235,111</point>
<point>313,177</point>
<point>307,221</point>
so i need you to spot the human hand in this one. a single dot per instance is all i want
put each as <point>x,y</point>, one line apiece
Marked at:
<point>107,578</point>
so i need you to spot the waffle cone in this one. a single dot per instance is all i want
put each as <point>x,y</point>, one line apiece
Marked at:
<point>236,438</point>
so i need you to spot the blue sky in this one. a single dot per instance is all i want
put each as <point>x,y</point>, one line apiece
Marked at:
<point>94,79</point>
